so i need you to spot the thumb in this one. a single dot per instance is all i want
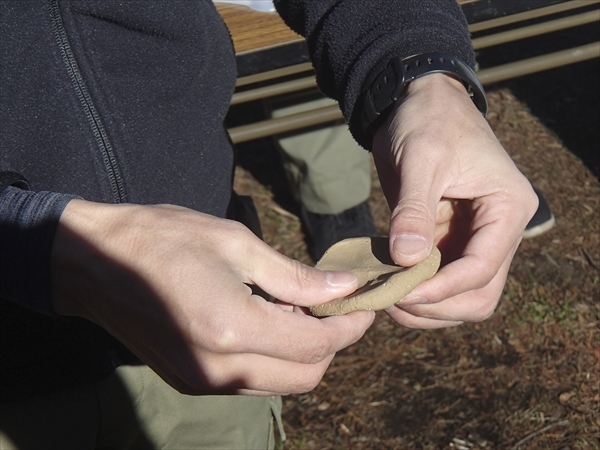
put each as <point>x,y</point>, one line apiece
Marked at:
<point>412,226</point>
<point>291,281</point>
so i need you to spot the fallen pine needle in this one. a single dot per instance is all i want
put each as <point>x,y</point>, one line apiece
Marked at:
<point>538,432</point>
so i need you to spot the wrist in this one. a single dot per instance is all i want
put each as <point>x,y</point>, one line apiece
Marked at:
<point>82,242</point>
<point>435,84</point>
<point>392,83</point>
<point>436,105</point>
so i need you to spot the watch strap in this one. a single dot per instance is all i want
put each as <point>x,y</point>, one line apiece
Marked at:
<point>392,81</point>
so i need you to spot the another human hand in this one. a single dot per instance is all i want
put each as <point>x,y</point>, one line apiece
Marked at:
<point>173,285</point>
<point>449,182</point>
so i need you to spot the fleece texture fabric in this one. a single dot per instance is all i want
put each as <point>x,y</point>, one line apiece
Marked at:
<point>114,101</point>
<point>351,41</point>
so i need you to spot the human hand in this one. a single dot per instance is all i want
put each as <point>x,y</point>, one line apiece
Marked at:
<point>172,285</point>
<point>449,182</point>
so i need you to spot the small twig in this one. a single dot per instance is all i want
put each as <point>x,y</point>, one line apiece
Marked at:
<point>593,263</point>
<point>538,432</point>
<point>460,444</point>
<point>550,259</point>
<point>279,210</point>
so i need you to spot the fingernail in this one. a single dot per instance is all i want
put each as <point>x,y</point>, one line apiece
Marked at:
<point>408,300</point>
<point>409,245</point>
<point>341,279</point>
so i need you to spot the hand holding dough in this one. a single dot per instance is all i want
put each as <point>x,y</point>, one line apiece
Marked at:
<point>382,283</point>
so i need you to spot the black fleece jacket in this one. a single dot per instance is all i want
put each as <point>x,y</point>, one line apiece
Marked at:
<point>116,101</point>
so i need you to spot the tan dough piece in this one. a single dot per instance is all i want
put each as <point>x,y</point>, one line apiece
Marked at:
<point>381,282</point>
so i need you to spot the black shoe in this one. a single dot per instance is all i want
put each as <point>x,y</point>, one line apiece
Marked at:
<point>542,221</point>
<point>324,230</point>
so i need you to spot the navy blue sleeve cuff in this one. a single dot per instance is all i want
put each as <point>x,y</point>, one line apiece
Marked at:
<point>28,222</point>
<point>351,41</point>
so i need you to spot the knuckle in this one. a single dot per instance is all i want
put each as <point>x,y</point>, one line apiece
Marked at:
<point>309,381</point>
<point>318,353</point>
<point>224,338</point>
<point>525,198</point>
<point>235,238</point>
<point>300,272</point>
<point>313,382</point>
<point>413,208</point>
<point>238,237</point>
<point>533,202</point>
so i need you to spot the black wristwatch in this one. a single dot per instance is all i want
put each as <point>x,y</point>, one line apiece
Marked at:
<point>390,84</point>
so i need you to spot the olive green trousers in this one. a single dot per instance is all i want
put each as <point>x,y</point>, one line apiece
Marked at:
<point>328,171</point>
<point>136,409</point>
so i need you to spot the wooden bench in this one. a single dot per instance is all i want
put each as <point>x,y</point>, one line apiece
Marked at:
<point>273,60</point>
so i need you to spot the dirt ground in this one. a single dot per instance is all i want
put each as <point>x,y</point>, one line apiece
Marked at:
<point>528,377</point>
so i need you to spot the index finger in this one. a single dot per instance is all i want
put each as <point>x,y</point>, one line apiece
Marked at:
<point>267,329</point>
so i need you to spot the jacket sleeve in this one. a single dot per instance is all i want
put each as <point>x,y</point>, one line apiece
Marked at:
<point>28,222</point>
<point>351,41</point>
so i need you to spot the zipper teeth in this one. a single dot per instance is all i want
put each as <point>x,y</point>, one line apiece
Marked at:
<point>108,156</point>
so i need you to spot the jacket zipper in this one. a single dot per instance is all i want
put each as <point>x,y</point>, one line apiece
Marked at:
<point>98,130</point>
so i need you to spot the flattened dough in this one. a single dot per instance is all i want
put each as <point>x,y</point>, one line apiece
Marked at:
<point>382,283</point>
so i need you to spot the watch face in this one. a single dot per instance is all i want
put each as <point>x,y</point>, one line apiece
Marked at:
<point>384,91</point>
<point>387,87</point>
